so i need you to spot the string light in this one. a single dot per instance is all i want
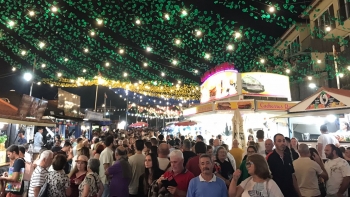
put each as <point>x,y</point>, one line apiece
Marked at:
<point>198,33</point>
<point>145,64</point>
<point>309,78</point>
<point>51,85</point>
<point>121,51</point>
<point>262,61</point>
<point>177,41</point>
<point>86,50</point>
<point>99,21</point>
<point>207,56</point>
<point>23,52</point>
<point>138,22</point>
<point>54,9</point>
<point>184,13</point>
<point>11,23</point>
<point>92,33</point>
<point>107,64</point>
<point>66,59</point>
<point>163,74</point>
<point>31,13</point>
<point>348,68</point>
<point>238,35</point>
<point>196,71</point>
<point>14,69</point>
<point>43,65</point>
<point>84,70</point>
<point>59,74</point>
<point>328,28</point>
<point>319,61</point>
<point>287,71</point>
<point>125,74</point>
<point>167,16</point>
<point>174,62</point>
<point>179,82</point>
<point>230,47</point>
<point>39,83</point>
<point>41,45</point>
<point>272,9</point>
<point>148,49</point>
<point>341,75</point>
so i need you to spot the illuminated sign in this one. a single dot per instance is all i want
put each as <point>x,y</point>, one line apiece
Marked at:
<point>325,101</point>
<point>265,84</point>
<point>232,105</point>
<point>198,109</point>
<point>278,106</point>
<point>219,85</point>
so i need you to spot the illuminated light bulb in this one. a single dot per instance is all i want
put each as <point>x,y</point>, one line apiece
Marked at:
<point>174,62</point>
<point>43,65</point>
<point>319,61</point>
<point>198,33</point>
<point>341,75</point>
<point>66,59</point>
<point>86,50</point>
<point>11,23</point>
<point>84,70</point>
<point>177,41</point>
<point>195,71</point>
<point>121,51</point>
<point>41,45</point>
<point>31,13</point>
<point>287,70</point>
<point>54,9</point>
<point>14,69</point>
<point>272,9</point>
<point>140,82</point>
<point>23,52</point>
<point>230,47</point>
<point>39,83</point>
<point>107,64</point>
<point>312,85</point>
<point>207,56</point>
<point>309,78</point>
<point>51,85</point>
<point>328,28</point>
<point>262,61</point>
<point>148,49</point>
<point>59,74</point>
<point>163,74</point>
<point>145,64</point>
<point>92,33</point>
<point>238,35</point>
<point>179,82</point>
<point>125,74</point>
<point>348,67</point>
<point>99,21</point>
<point>138,22</point>
<point>167,16</point>
<point>184,13</point>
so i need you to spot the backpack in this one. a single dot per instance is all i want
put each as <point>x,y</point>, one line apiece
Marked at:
<point>44,190</point>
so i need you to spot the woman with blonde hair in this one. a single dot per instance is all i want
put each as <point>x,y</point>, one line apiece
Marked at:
<point>78,173</point>
<point>259,183</point>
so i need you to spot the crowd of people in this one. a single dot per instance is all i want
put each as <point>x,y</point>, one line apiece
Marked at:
<point>146,164</point>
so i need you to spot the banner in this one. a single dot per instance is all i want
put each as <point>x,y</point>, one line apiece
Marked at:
<point>265,85</point>
<point>32,107</point>
<point>70,103</point>
<point>325,101</point>
<point>232,105</point>
<point>274,105</point>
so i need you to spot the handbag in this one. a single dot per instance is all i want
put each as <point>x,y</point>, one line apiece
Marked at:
<point>44,190</point>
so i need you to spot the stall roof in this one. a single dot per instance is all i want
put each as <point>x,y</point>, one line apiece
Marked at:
<point>315,113</point>
<point>7,109</point>
<point>323,100</point>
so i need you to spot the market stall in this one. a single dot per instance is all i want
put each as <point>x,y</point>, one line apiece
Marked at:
<point>328,106</point>
<point>256,95</point>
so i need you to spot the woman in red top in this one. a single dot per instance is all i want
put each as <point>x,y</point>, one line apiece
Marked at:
<point>78,174</point>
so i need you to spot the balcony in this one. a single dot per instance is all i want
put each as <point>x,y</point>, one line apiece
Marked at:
<point>310,44</point>
<point>341,29</point>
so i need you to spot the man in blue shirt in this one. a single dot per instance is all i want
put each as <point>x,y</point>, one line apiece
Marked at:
<point>21,139</point>
<point>206,184</point>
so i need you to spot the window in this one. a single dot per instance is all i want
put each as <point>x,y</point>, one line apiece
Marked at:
<point>344,10</point>
<point>327,19</point>
<point>294,46</point>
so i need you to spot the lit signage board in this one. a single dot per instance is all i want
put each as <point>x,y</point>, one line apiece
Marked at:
<point>219,85</point>
<point>265,84</point>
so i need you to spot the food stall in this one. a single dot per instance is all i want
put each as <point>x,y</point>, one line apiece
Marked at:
<point>256,95</point>
<point>328,106</point>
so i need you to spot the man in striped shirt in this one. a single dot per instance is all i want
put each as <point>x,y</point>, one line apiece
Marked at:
<point>40,173</point>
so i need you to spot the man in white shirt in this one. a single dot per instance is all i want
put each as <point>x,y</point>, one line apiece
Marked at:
<point>38,140</point>
<point>338,171</point>
<point>306,171</point>
<point>106,160</point>
<point>137,163</point>
<point>324,139</point>
<point>260,136</point>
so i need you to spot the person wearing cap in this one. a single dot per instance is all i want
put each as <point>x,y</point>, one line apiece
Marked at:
<point>78,173</point>
<point>324,139</point>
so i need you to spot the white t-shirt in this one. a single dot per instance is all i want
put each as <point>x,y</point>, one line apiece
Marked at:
<point>261,150</point>
<point>252,188</point>
<point>337,169</point>
<point>106,157</point>
<point>163,163</point>
<point>326,139</point>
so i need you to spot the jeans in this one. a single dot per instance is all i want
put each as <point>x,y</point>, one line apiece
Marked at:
<point>105,190</point>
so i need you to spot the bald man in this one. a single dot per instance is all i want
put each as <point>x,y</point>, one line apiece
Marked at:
<point>305,170</point>
<point>237,153</point>
<point>268,146</point>
<point>163,152</point>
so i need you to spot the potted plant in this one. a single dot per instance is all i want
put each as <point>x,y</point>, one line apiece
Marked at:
<point>3,139</point>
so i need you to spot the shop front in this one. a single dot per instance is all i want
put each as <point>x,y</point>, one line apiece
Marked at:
<point>328,106</point>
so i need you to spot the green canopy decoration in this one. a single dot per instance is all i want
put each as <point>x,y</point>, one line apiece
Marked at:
<point>171,42</point>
